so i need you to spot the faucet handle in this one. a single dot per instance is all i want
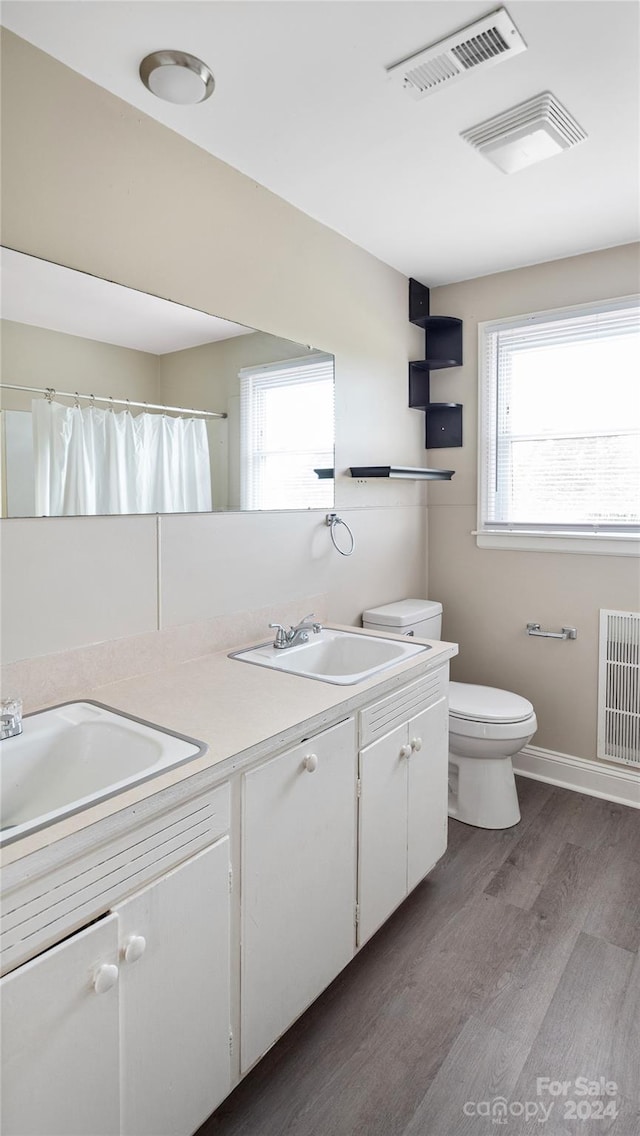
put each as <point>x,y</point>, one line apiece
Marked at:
<point>281,637</point>
<point>310,622</point>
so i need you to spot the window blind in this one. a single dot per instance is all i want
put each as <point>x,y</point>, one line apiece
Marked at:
<point>287,431</point>
<point>560,421</point>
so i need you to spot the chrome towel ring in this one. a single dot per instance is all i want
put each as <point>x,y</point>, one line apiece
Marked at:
<point>333,520</point>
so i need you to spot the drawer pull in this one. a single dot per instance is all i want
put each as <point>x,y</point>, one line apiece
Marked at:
<point>416,744</point>
<point>311,763</point>
<point>405,751</point>
<point>134,948</point>
<point>105,978</point>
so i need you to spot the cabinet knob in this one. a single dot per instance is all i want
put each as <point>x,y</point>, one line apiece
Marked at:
<point>416,744</point>
<point>134,948</point>
<point>311,762</point>
<point>105,978</point>
<point>405,751</point>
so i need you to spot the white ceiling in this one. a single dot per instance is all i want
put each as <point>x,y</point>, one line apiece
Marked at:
<point>47,295</point>
<point>303,106</point>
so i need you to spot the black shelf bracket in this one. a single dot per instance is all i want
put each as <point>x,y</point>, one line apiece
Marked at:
<point>442,349</point>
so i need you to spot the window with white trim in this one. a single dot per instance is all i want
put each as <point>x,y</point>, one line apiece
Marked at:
<point>287,433</point>
<point>559,429</point>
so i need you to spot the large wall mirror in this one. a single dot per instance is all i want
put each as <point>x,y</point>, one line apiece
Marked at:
<point>114,401</point>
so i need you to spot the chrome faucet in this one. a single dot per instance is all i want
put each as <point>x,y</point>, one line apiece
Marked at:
<point>297,634</point>
<point>10,718</point>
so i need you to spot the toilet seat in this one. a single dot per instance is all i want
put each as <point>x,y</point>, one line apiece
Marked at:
<point>492,731</point>
<point>487,704</point>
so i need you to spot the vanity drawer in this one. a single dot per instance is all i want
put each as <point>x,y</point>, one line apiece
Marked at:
<point>59,889</point>
<point>383,716</point>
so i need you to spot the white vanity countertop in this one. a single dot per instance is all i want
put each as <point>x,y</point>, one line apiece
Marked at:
<point>241,711</point>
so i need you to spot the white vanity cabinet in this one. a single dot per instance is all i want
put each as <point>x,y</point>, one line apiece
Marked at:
<point>175,1013</point>
<point>121,990</point>
<point>124,1027</point>
<point>298,882</point>
<point>403,796</point>
<point>60,1022</point>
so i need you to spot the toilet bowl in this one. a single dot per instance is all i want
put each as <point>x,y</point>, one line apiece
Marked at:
<point>487,727</point>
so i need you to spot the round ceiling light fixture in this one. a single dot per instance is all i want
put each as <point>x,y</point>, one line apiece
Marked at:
<point>177,77</point>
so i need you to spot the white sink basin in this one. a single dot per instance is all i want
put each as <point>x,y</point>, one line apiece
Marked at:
<point>334,656</point>
<point>74,755</point>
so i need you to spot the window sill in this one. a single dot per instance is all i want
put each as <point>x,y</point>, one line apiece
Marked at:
<point>590,544</point>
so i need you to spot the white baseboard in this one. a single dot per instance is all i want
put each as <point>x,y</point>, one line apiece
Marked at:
<point>591,777</point>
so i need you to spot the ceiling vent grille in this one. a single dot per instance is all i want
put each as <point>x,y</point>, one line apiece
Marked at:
<point>483,44</point>
<point>480,48</point>
<point>527,133</point>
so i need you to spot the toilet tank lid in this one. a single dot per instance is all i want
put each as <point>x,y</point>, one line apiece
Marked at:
<point>402,613</point>
<point>487,703</point>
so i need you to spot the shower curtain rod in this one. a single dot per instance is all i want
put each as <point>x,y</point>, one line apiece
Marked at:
<point>51,393</point>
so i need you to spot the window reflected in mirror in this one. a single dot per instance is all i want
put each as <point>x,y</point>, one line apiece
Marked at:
<point>286,411</point>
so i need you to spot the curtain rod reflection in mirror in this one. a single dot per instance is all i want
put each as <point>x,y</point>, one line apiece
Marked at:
<point>51,393</point>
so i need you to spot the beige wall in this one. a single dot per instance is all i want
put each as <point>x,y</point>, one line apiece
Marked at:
<point>488,595</point>
<point>37,357</point>
<point>91,183</point>
<point>207,376</point>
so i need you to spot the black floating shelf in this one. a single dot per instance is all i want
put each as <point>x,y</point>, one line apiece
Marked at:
<point>433,364</point>
<point>408,473</point>
<point>443,349</point>
<point>443,425</point>
<point>324,474</point>
<point>418,302</point>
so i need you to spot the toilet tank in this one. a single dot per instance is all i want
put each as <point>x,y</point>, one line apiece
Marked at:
<point>406,617</point>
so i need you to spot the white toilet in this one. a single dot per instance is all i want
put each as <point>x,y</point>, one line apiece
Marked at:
<point>487,727</point>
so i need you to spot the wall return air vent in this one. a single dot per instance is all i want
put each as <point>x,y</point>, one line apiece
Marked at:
<point>619,687</point>
<point>527,133</point>
<point>479,45</point>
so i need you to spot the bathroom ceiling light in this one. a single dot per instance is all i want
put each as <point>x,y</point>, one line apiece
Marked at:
<point>177,77</point>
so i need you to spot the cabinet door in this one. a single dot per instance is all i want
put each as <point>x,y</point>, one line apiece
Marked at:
<point>382,866</point>
<point>60,1039</point>
<point>427,802</point>
<point>298,882</point>
<point>175,1013</point>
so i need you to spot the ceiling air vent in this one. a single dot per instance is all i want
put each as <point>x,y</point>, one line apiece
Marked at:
<point>483,44</point>
<point>527,133</point>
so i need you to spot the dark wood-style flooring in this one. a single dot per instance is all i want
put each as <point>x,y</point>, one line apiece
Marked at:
<point>517,959</point>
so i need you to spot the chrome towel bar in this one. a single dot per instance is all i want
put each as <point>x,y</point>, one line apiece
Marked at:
<point>566,633</point>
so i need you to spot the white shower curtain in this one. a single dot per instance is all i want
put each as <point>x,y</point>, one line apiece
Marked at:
<point>90,461</point>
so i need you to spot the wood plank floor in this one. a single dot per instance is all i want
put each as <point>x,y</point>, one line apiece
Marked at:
<point>516,960</point>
